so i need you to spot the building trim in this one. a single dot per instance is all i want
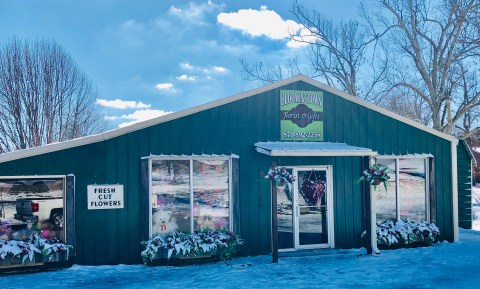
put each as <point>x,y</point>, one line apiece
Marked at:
<point>454,192</point>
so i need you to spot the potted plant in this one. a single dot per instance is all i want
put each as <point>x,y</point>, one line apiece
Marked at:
<point>375,175</point>
<point>205,243</point>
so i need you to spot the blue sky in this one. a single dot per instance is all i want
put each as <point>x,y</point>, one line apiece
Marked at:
<point>151,57</point>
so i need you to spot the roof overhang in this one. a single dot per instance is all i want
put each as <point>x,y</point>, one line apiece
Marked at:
<point>311,149</point>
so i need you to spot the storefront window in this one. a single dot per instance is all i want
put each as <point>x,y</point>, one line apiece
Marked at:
<point>190,195</point>
<point>170,196</point>
<point>407,191</point>
<point>210,194</point>
<point>32,206</point>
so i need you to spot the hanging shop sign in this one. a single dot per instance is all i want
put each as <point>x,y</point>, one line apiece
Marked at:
<point>105,197</point>
<point>301,115</point>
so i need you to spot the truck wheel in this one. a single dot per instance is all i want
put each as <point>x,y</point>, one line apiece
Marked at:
<point>57,220</point>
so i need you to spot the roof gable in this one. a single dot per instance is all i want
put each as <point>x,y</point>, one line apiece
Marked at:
<point>169,117</point>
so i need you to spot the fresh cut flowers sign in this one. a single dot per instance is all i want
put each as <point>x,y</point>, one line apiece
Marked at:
<point>301,115</point>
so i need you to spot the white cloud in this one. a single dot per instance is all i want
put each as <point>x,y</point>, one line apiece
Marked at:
<point>203,71</point>
<point>266,23</point>
<point>220,69</point>
<point>185,77</point>
<point>138,116</point>
<point>167,87</point>
<point>195,13</point>
<point>121,104</point>
<point>215,69</point>
<point>186,65</point>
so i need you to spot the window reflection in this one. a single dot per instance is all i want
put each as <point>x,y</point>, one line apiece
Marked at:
<point>31,206</point>
<point>175,192</point>
<point>210,194</point>
<point>412,189</point>
<point>386,200</point>
<point>170,196</point>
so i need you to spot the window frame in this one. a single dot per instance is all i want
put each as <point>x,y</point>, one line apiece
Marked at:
<point>191,159</point>
<point>427,159</point>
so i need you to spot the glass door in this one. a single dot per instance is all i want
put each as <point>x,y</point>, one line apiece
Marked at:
<point>312,199</point>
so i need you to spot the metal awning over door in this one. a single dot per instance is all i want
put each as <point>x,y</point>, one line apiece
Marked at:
<point>311,149</point>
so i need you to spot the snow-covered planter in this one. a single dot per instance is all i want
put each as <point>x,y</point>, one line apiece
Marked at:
<point>34,250</point>
<point>406,232</point>
<point>17,252</point>
<point>204,243</point>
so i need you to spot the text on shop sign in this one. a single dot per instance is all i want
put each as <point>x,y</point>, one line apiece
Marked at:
<point>105,197</point>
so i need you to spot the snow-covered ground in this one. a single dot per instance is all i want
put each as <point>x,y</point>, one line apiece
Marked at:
<point>444,265</point>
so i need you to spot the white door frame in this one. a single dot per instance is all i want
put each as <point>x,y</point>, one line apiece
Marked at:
<point>330,215</point>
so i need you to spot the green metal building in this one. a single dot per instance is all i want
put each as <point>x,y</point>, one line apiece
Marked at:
<point>205,167</point>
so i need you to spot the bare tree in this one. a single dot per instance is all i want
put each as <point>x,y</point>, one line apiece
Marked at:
<point>436,44</point>
<point>268,73</point>
<point>338,54</point>
<point>44,96</point>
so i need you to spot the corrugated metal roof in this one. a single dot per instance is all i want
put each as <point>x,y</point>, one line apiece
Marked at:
<point>311,149</point>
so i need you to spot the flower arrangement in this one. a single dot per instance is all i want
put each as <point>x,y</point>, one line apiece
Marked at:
<point>281,175</point>
<point>375,175</point>
<point>406,232</point>
<point>190,245</point>
<point>27,249</point>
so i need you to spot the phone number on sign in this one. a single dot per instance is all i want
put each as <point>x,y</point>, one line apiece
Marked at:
<point>292,134</point>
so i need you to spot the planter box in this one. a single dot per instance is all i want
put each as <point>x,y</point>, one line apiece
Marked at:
<point>417,244</point>
<point>10,262</point>
<point>55,257</point>
<point>38,260</point>
<point>162,259</point>
<point>402,246</point>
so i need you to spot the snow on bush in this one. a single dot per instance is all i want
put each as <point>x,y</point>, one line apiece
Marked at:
<point>27,249</point>
<point>406,232</point>
<point>223,242</point>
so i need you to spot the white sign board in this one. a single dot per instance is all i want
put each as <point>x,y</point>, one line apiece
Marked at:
<point>101,197</point>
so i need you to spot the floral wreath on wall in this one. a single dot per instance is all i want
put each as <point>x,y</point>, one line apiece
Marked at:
<point>375,175</point>
<point>283,179</point>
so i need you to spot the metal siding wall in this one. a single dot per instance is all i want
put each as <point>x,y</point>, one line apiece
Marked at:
<point>233,128</point>
<point>464,171</point>
<point>122,171</point>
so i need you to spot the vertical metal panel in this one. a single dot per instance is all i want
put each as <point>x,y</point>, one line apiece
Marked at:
<point>145,197</point>
<point>448,195</point>
<point>132,199</point>
<point>349,205</point>
<point>70,212</point>
<point>339,200</point>
<point>110,216</point>
<point>464,172</point>
<point>122,169</point>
